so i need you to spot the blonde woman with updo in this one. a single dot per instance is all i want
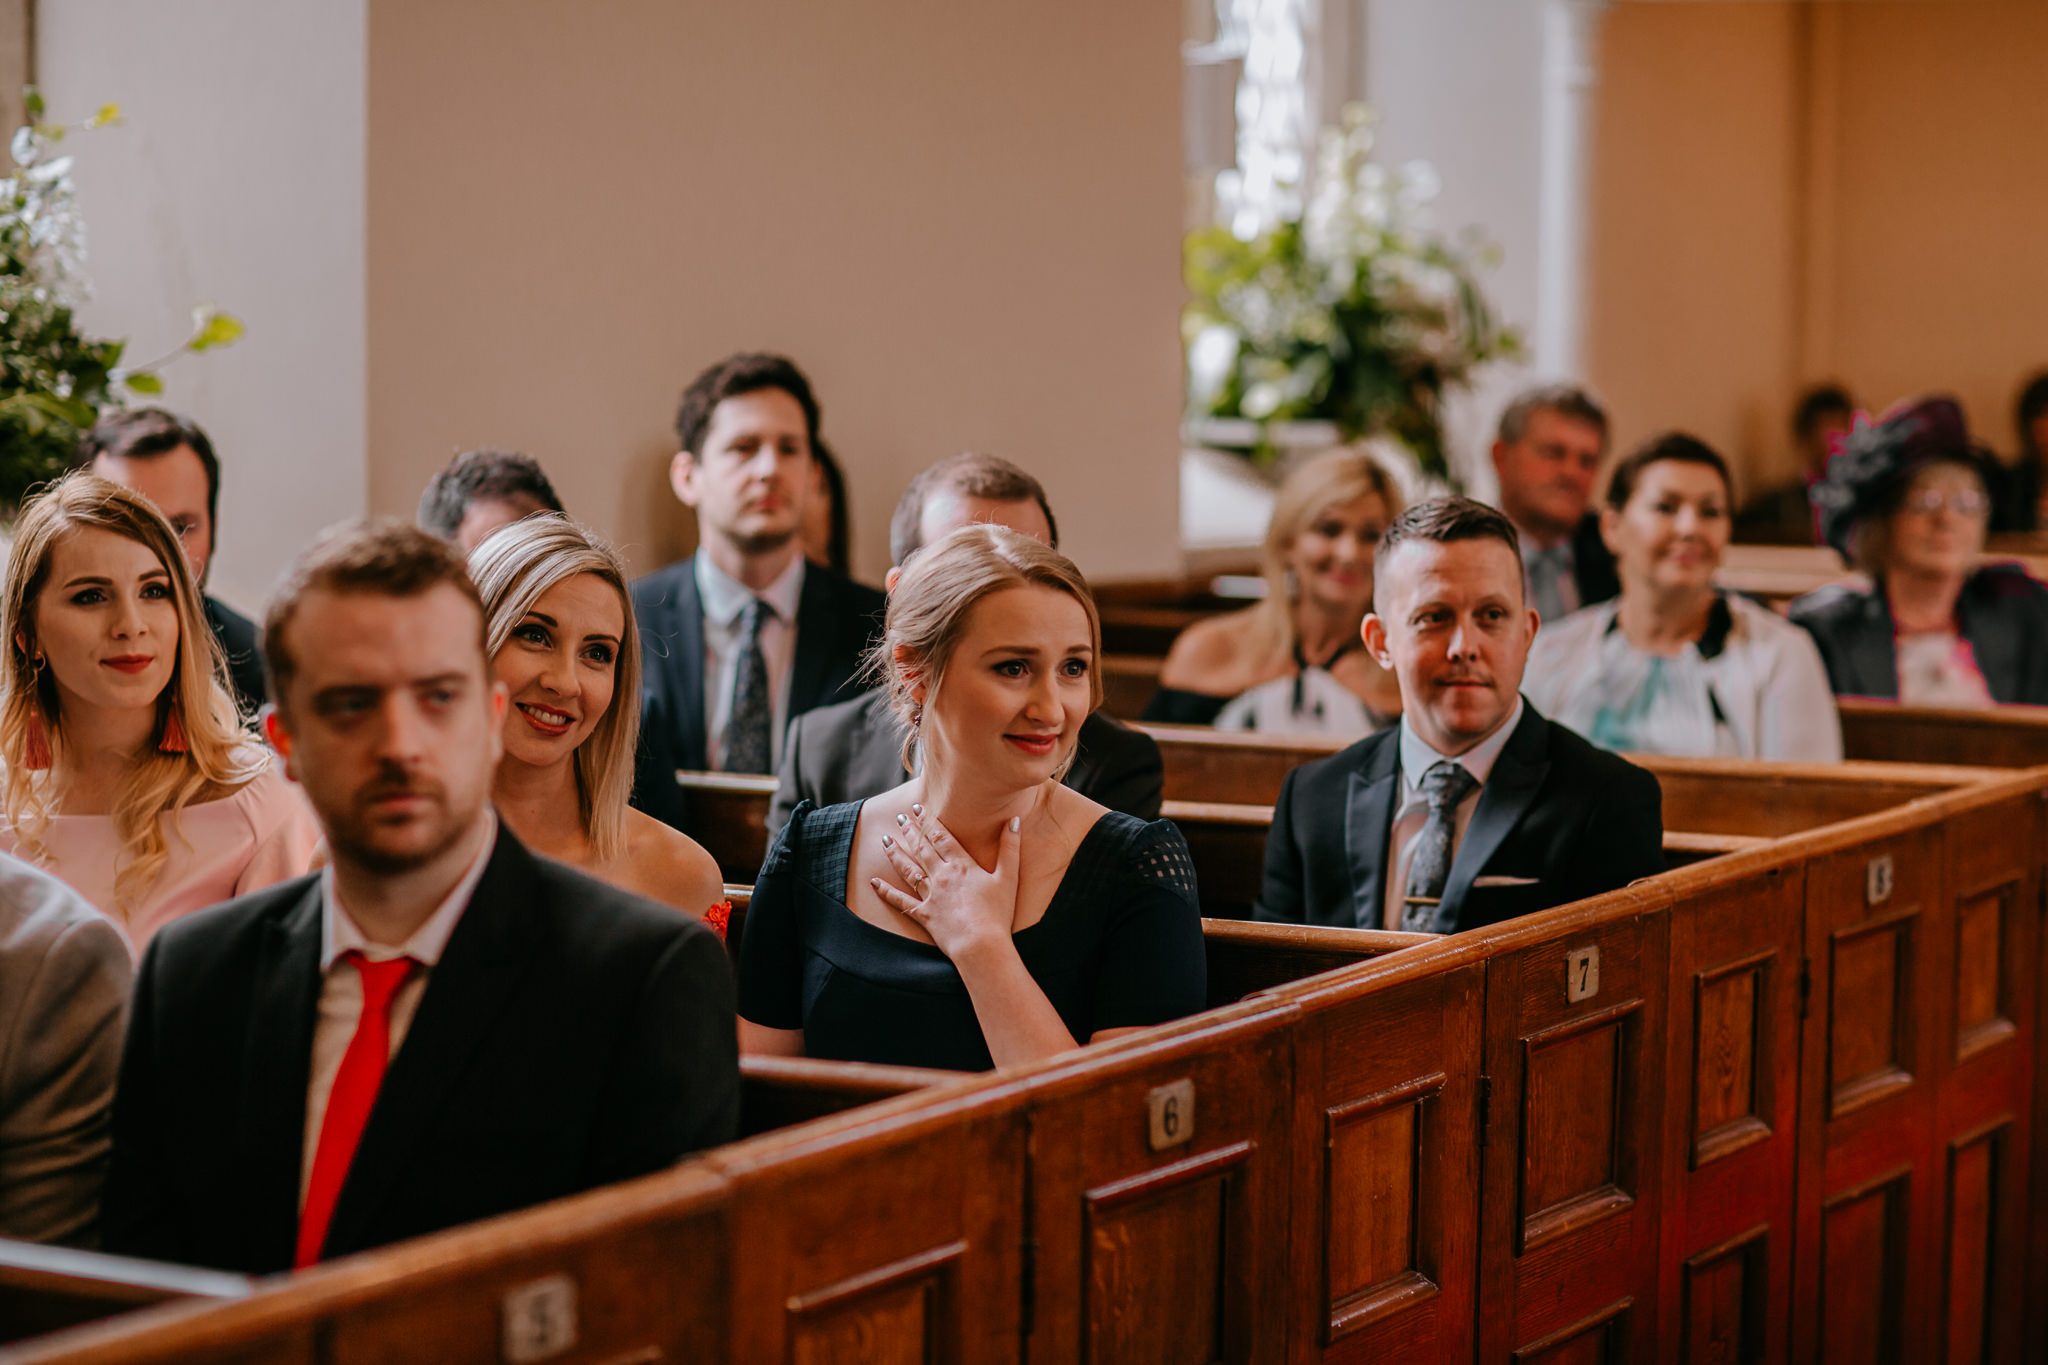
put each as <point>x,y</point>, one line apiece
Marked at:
<point>1294,661</point>
<point>127,771</point>
<point>981,914</point>
<point>559,629</point>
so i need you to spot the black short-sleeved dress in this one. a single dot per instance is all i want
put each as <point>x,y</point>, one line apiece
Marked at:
<point>1119,946</point>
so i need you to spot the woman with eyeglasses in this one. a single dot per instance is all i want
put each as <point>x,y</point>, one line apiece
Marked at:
<point>1907,501</point>
<point>1294,661</point>
<point>1674,665</point>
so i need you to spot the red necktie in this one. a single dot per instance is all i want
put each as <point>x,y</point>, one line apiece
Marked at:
<point>349,1102</point>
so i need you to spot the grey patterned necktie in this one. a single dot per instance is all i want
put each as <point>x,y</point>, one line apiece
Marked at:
<point>1444,786</point>
<point>747,748</point>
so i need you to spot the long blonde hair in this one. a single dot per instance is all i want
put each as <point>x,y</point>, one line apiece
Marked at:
<point>512,568</point>
<point>929,608</point>
<point>1328,480</point>
<point>218,752</point>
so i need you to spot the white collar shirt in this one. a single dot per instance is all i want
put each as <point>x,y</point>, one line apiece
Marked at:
<point>341,987</point>
<point>1411,812</point>
<point>724,601</point>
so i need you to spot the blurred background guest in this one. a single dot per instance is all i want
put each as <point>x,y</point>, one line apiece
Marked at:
<point>1907,500</point>
<point>1674,665</point>
<point>1783,515</point>
<point>1294,660</point>
<point>170,461</point>
<point>127,774</point>
<point>2016,502</point>
<point>559,629</point>
<point>827,538</point>
<point>481,490</point>
<point>1547,456</point>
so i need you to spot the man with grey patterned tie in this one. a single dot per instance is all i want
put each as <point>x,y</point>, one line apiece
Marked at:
<point>1552,441</point>
<point>744,634</point>
<point>1474,809</point>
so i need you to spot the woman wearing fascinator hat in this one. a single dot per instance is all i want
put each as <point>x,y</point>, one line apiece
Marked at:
<point>1906,499</point>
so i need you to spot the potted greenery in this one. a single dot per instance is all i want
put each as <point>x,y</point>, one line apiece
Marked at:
<point>1347,317</point>
<point>54,380</point>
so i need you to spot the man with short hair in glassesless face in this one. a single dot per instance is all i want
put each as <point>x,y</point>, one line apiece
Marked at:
<point>440,1026</point>
<point>1474,808</point>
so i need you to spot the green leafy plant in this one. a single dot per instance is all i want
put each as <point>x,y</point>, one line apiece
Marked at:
<point>54,380</point>
<point>1348,313</point>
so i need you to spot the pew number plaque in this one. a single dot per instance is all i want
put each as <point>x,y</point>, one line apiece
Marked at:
<point>540,1320</point>
<point>1581,975</point>
<point>1877,880</point>
<point>1171,1109</point>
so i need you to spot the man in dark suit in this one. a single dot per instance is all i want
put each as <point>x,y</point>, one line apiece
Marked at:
<point>854,749</point>
<point>170,461</point>
<point>439,1027</point>
<point>1552,441</point>
<point>744,635</point>
<point>1474,809</point>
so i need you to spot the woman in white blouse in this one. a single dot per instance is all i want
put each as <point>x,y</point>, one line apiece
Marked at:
<point>1674,665</point>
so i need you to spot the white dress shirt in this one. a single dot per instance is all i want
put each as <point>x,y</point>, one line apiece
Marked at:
<point>341,985</point>
<point>1412,813</point>
<point>724,600</point>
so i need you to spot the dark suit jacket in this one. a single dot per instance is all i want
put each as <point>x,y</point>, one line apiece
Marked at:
<point>2002,612</point>
<point>571,1035</point>
<point>1593,563</point>
<point>237,636</point>
<point>853,750</point>
<point>1574,819</point>
<point>837,622</point>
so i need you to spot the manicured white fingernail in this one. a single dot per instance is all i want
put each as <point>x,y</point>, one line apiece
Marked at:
<point>1016,823</point>
<point>887,842</point>
<point>916,809</point>
<point>900,821</point>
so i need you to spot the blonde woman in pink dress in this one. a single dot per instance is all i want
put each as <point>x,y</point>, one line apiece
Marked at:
<point>127,773</point>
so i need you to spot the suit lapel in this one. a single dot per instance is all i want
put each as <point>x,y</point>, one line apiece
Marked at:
<point>1509,790</point>
<point>1368,822</point>
<point>810,675</point>
<point>277,1064</point>
<point>469,988</point>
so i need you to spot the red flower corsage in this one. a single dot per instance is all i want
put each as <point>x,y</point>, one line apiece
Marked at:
<point>718,915</point>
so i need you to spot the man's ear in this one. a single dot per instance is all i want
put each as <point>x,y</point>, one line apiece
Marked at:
<point>891,578</point>
<point>682,477</point>
<point>1373,632</point>
<point>280,737</point>
<point>1500,450</point>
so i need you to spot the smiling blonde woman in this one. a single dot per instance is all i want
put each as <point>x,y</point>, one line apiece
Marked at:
<point>559,628</point>
<point>127,772</point>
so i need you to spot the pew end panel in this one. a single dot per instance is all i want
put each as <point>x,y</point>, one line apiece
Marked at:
<point>1572,1151</point>
<point>1385,1165</point>
<point>1731,1068</point>
<point>47,1289</point>
<point>1159,1193</point>
<point>1246,958</point>
<point>894,1238</point>
<point>450,1299</point>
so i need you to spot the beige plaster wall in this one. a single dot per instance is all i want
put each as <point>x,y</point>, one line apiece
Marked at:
<point>1792,192</point>
<point>962,220</point>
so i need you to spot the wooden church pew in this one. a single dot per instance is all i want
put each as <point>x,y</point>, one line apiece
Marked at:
<point>1997,737</point>
<point>780,1092</point>
<point>44,1288</point>
<point>1784,1113</point>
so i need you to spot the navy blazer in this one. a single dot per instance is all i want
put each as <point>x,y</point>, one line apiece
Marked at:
<point>1566,820</point>
<point>837,623</point>
<point>2003,613</point>
<point>1593,568</point>
<point>571,1035</point>
<point>236,635</point>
